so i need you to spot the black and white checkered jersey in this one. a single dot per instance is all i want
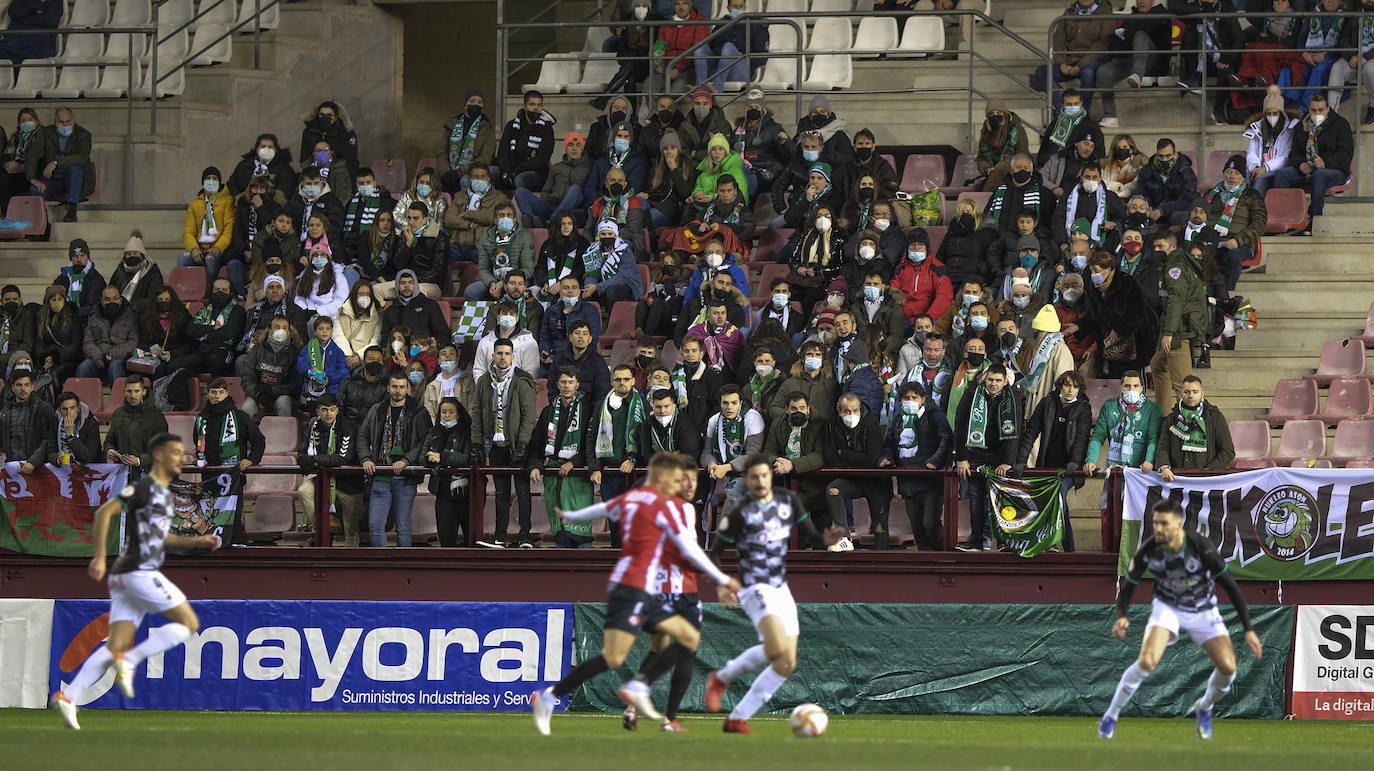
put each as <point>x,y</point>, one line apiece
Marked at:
<point>761,533</point>
<point>148,516</point>
<point>1185,580</point>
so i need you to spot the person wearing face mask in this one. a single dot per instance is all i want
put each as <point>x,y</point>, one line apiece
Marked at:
<point>817,253</point>
<point>1021,248</point>
<point>322,288</point>
<point>1128,426</point>
<point>737,40</point>
<point>1021,192</point>
<point>449,443</point>
<point>314,197</point>
<point>958,318</point>
<point>879,306</point>
<point>919,437</point>
<point>270,378</point>
<point>1069,124</point>
<point>869,162</point>
<point>425,250</point>
<point>423,188</point>
<point>1020,306</point>
<point>503,419</point>
<point>1090,207</point>
<point>609,267</point>
<point>1237,214</point>
<point>81,279</point>
<point>329,122</point>
<point>562,189</point>
<point>256,208</point>
<point>469,139</point>
<point>1137,257</point>
<point>619,203</point>
<point>1125,320</point>
<point>368,203</point>
<point>719,162</point>
<point>1183,324</point>
<point>695,384</point>
<point>665,118</point>
<point>674,40</point>
<point>1169,184</point>
<point>321,364</point>
<point>504,247</point>
<point>561,314</point>
<point>364,386</point>
<point>1059,427</point>
<point>921,279</point>
<point>762,141</point>
<point>276,252</point>
<point>216,330</point>
<point>473,211</point>
<point>838,149</point>
<point>1042,357</point>
<point>59,166</point>
<point>858,377</point>
<point>703,121</point>
<point>449,382</point>
<point>275,302</point>
<point>526,145</point>
<point>1122,166</point>
<point>665,430</point>
<point>331,440</point>
<point>964,250</point>
<point>631,44</point>
<point>111,337</point>
<point>721,288</point>
<point>267,159</point>
<point>620,152</point>
<point>1080,47</point>
<point>616,112</point>
<point>812,376</point>
<point>209,226</point>
<point>852,438</point>
<point>505,323</point>
<point>1138,217</point>
<point>1003,137</point>
<point>334,170</point>
<point>359,323</point>
<point>1320,159</point>
<point>796,440</point>
<point>1270,134</point>
<point>1078,327</point>
<point>12,180</point>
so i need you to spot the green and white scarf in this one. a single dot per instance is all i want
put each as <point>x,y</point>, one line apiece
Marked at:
<point>462,143</point>
<point>208,230</point>
<point>315,381</point>
<point>600,265</point>
<point>228,439</point>
<point>1041,358</point>
<point>1310,149</point>
<point>617,207</point>
<point>679,379</point>
<point>5,324</point>
<point>1007,420</point>
<point>664,438</point>
<point>729,436</point>
<point>758,385</point>
<point>1228,210</point>
<point>1029,200</point>
<point>362,212</point>
<point>207,315</point>
<point>1064,126</point>
<point>1324,32</point>
<point>500,386</point>
<point>605,427</point>
<point>729,219</point>
<point>792,450</point>
<point>1128,267</point>
<point>1008,147</point>
<point>75,281</point>
<point>572,437</point>
<point>1099,215</point>
<point>1189,426</point>
<point>908,438</point>
<point>1121,448</point>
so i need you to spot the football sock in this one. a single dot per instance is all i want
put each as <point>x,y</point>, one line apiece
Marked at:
<point>765,685</point>
<point>664,661</point>
<point>1130,680</point>
<point>580,674</point>
<point>751,660</point>
<point>1217,686</point>
<point>160,639</point>
<point>677,687</point>
<point>90,671</point>
<point>645,665</point>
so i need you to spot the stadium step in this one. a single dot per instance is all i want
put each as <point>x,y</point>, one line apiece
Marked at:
<point>1348,293</point>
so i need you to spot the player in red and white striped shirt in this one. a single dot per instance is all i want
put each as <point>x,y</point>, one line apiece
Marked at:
<point>650,520</point>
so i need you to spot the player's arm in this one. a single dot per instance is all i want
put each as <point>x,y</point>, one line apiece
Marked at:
<point>1134,572</point>
<point>100,533</point>
<point>594,511</point>
<point>210,542</point>
<point>1225,580</point>
<point>807,529</point>
<point>727,532</point>
<point>687,544</point>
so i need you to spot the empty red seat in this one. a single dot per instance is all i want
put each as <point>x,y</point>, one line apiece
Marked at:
<point>538,236</point>
<point>1361,463</point>
<point>622,351</point>
<point>965,168</point>
<point>1354,441</point>
<point>29,208</point>
<point>770,241</point>
<point>1312,464</point>
<point>1287,209</point>
<point>1250,437</point>
<point>621,324</point>
<point>1294,399</point>
<point>188,281</point>
<point>937,236</point>
<point>1340,358</point>
<point>272,515</point>
<point>1216,162</point>
<point>1343,187</point>
<point>426,163</point>
<point>1348,398</point>
<point>541,397</point>
<point>1099,392</point>
<point>281,435</point>
<point>87,389</point>
<point>670,355</point>
<point>1368,337</point>
<point>391,174</point>
<point>922,172</point>
<point>771,271</point>
<point>235,387</point>
<point>1301,439</point>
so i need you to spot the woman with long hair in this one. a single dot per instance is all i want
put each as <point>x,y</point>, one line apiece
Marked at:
<point>424,187</point>
<point>1122,166</point>
<point>670,183</point>
<point>560,257</point>
<point>376,253</point>
<point>58,348</point>
<point>162,331</point>
<point>322,287</point>
<point>816,257</point>
<point>359,323</point>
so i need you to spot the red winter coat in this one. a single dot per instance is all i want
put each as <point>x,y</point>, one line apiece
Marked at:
<point>683,37</point>
<point>926,288</point>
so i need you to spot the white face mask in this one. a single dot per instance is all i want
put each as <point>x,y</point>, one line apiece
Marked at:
<point>279,336</point>
<point>364,301</point>
<point>397,346</point>
<point>664,420</point>
<point>267,154</point>
<point>763,370</point>
<point>881,224</point>
<point>823,224</point>
<point>1090,185</point>
<point>1273,119</point>
<point>850,421</point>
<point>641,11</point>
<point>1318,120</point>
<point>714,260</point>
<point>614,401</point>
<point>866,252</point>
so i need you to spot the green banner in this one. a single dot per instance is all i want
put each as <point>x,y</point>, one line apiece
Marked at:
<point>963,659</point>
<point>1027,513</point>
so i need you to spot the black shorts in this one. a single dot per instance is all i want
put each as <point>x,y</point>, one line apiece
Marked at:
<point>630,610</point>
<point>686,605</point>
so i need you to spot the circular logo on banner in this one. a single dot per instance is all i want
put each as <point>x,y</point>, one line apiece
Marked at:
<point>1286,521</point>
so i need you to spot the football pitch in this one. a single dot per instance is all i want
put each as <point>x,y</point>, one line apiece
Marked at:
<point>133,739</point>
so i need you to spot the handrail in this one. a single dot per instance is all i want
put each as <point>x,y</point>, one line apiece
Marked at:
<point>600,6</point>
<point>1256,17</point>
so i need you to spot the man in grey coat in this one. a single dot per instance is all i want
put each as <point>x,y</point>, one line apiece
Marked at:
<point>502,424</point>
<point>111,337</point>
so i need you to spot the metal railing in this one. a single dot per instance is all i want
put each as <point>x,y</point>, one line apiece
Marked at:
<point>1188,57</point>
<point>508,65</point>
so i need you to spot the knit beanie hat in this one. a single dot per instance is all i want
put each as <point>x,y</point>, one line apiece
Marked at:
<point>1047,320</point>
<point>1273,100</point>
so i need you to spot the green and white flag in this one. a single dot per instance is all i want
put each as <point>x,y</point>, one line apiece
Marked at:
<point>1028,514</point>
<point>472,317</point>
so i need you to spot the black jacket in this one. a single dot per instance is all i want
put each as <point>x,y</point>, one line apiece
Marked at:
<point>965,253</point>
<point>535,458</point>
<point>1087,208</point>
<point>999,450</point>
<point>1229,34</point>
<point>703,397</point>
<point>271,373</point>
<point>420,315</point>
<point>251,442</point>
<point>63,346</point>
<point>23,333</point>
<point>372,432</point>
<point>934,447</point>
<point>1078,428</point>
<point>34,420</point>
<point>327,205</point>
<point>683,436</point>
<point>593,378</point>
<point>313,452</point>
<point>260,218</point>
<point>146,289</point>
<point>858,447</point>
<point>132,427</point>
<point>226,337</point>
<point>260,318</point>
<point>278,171</point>
<point>357,394</point>
<point>91,288</point>
<point>340,136</point>
<point>526,144</point>
<point>454,446</point>
<point>1335,143</point>
<point>84,445</point>
<point>428,257</point>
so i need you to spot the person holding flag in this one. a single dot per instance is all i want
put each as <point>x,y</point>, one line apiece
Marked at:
<point>563,429</point>
<point>987,431</point>
<point>616,447</point>
<point>1061,422</point>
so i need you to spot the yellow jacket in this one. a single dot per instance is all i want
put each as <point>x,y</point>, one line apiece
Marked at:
<point>224,221</point>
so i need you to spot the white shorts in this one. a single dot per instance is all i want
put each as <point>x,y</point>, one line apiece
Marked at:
<point>1201,625</point>
<point>763,600</point>
<point>134,595</point>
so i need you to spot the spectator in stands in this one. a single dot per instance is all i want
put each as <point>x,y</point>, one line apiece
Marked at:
<point>275,302</point>
<point>716,261</point>
<point>959,315</point>
<point>817,252</point>
<point>731,435</point>
<point>414,310</point>
<point>216,329</point>
<point>44,387</point>
<point>14,181</point>
<point>1128,426</point>
<point>1080,48</point>
<point>609,267</point>
<point>562,439</point>
<point>700,127</point>
<point>270,379</point>
<point>838,149</point>
<point>449,443</point>
<point>78,433</point>
<point>506,325</point>
<point>659,311</point>
<point>321,364</point>
<point>1321,155</point>
<point>276,251</point>
<point>1020,307</point>
<point>724,207</point>
<point>676,39</point>
<point>1237,214</point>
<point>669,184</point>
<point>855,372</point>
<point>1169,184</point>
<point>364,387</point>
<point>318,236</point>
<point>1069,124</point>
<point>58,349</point>
<point>322,288</point>
<point>891,240</point>
<point>358,325</point>
<point>1184,321</point>
<point>502,430</point>
<point>422,253</point>
<point>761,376</point>
<point>663,120</point>
<point>27,424</point>
<point>561,314</point>
<point>1061,424</point>
<point>919,438</point>
<point>529,308</point>
<point>1021,248</point>
<point>987,431</point>
<point>329,122</point>
<point>360,213</point>
<point>1003,137</point>
<point>666,430</point>
<point>762,141</point>
<point>32,15</point>
<point>81,279</point>
<point>970,362</point>
<point>631,44</point>
<point>424,188</point>
<point>1321,39</point>
<point>620,416</point>
<point>331,440</point>
<point>581,354</point>
<point>58,165</point>
<point>375,256</point>
<point>504,248</point>
<point>1271,136</point>
<point>1195,434</point>
<point>723,341</point>
<point>868,163</point>
<point>1089,207</point>
<point>562,189</point>
<point>256,209</point>
<point>964,250</point>
<point>314,196</point>
<point>622,206</point>
<point>111,336</point>
<point>392,434</point>
<point>133,423</point>
<point>466,221</point>
<point>880,306</point>
<point>922,327</point>
<point>863,257</point>
<point>622,156</point>
<point>615,111</point>
<point>1021,192</point>
<point>1123,165</point>
<point>921,280</point>
<point>740,40</point>
<point>1138,218</point>
<point>1061,171</point>
<point>810,376</point>
<point>469,141</point>
<point>796,442</point>
<point>162,332</point>
<point>853,439</point>
<point>1080,330</point>
<point>336,171</point>
<point>224,435</point>
<point>448,381</point>
<point>1357,38</point>
<point>526,145</point>
<point>1139,260</point>
<point>928,369</point>
<point>267,159</point>
<point>719,163</point>
<point>696,385</point>
<point>1043,357</point>
<point>1139,54</point>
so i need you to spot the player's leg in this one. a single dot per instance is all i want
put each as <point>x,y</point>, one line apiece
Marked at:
<point>622,607</point>
<point>1223,655</point>
<point>751,660</point>
<point>685,638</point>
<point>780,645</point>
<point>657,642</point>
<point>1157,638</point>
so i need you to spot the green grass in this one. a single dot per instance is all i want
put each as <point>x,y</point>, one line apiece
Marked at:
<point>33,739</point>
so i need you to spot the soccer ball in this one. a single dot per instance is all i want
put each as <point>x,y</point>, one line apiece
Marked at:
<point>809,720</point>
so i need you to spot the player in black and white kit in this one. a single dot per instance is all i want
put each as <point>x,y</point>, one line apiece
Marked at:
<point>1186,568</point>
<point>760,526</point>
<point>137,586</point>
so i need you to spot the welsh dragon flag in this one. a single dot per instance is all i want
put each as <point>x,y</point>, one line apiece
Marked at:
<point>50,511</point>
<point>1028,514</point>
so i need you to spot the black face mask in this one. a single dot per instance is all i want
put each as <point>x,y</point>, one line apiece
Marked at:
<point>274,267</point>
<point>616,188</point>
<point>976,359</point>
<point>617,117</point>
<point>473,110</point>
<point>607,243</point>
<point>132,263</point>
<point>994,122</point>
<point>753,114</point>
<point>1020,177</point>
<point>164,306</point>
<point>1121,154</point>
<point>110,310</point>
<point>1136,217</point>
<point>644,361</point>
<point>1160,254</point>
<point>11,308</point>
<point>965,222</point>
<point>798,419</point>
<point>1008,340</point>
<point>1166,165</point>
<point>820,120</point>
<point>373,369</point>
<point>863,153</point>
<point>324,123</point>
<point>220,299</point>
<point>866,194</point>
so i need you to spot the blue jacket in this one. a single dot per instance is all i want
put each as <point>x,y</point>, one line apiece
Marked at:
<point>864,384</point>
<point>736,272</point>
<point>335,367</point>
<point>553,330</point>
<point>626,273</point>
<point>636,172</point>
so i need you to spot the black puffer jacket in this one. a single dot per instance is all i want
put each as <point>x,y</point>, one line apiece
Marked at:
<point>1078,428</point>
<point>965,252</point>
